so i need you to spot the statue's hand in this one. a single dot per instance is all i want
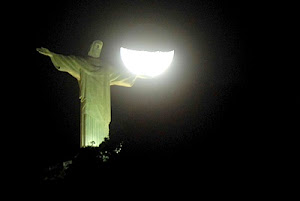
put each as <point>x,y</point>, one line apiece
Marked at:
<point>44,51</point>
<point>144,76</point>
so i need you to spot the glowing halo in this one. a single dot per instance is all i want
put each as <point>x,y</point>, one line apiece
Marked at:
<point>146,63</point>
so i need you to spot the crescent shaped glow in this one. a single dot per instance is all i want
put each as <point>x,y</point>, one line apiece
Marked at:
<point>146,63</point>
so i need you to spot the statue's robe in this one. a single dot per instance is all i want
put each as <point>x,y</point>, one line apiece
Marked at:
<point>95,78</point>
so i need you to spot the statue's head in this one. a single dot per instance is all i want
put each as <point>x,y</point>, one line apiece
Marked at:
<point>95,49</point>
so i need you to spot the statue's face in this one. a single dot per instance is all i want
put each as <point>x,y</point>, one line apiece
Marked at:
<point>95,49</point>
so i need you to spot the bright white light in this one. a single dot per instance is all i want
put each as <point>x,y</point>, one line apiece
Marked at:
<point>146,63</point>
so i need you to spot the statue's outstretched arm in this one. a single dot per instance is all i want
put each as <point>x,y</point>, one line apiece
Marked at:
<point>124,78</point>
<point>70,64</point>
<point>121,78</point>
<point>44,51</point>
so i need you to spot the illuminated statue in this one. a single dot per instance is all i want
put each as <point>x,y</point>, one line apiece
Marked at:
<point>95,78</point>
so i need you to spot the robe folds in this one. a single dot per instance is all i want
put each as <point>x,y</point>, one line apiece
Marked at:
<point>95,78</point>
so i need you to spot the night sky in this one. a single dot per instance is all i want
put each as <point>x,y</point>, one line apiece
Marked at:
<point>198,112</point>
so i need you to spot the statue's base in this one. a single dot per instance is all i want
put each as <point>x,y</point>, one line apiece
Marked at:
<point>89,164</point>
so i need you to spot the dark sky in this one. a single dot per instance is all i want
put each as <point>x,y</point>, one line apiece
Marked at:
<point>199,106</point>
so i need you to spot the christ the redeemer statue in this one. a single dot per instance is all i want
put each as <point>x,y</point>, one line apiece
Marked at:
<point>95,78</point>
